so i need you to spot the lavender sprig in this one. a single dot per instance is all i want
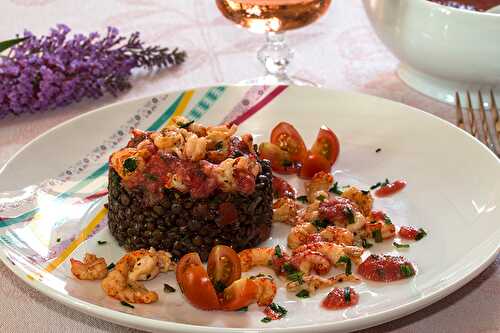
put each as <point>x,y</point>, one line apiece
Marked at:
<point>50,71</point>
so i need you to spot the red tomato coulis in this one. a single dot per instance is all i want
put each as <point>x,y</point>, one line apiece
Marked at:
<point>386,268</point>
<point>337,298</point>
<point>408,232</point>
<point>391,188</point>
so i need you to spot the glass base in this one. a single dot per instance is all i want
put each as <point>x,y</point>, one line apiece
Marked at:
<point>273,80</point>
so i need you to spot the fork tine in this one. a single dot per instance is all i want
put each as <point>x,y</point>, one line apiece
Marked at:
<point>494,111</point>
<point>472,119</point>
<point>484,123</point>
<point>460,117</point>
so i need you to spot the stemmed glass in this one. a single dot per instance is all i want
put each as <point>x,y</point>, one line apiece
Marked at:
<point>274,17</point>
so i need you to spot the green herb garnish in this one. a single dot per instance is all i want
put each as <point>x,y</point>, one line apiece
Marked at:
<point>320,224</point>
<point>185,125</point>
<point>150,176</point>
<point>219,286</point>
<point>58,240</point>
<point>377,235</point>
<point>386,182</point>
<point>293,274</point>
<point>347,295</point>
<point>375,186</point>
<point>387,219</point>
<point>286,163</point>
<point>281,311</point>
<point>349,214</point>
<point>277,251</point>
<point>266,320</point>
<point>111,266</point>
<point>243,309</point>
<point>303,294</point>
<point>335,189</point>
<point>127,304</point>
<point>365,244</point>
<point>130,164</point>
<point>365,192</point>
<point>406,270</point>
<point>219,145</point>
<point>378,150</point>
<point>101,242</point>
<point>302,198</point>
<point>421,234</point>
<point>321,197</point>
<point>168,288</point>
<point>401,246</point>
<point>348,264</point>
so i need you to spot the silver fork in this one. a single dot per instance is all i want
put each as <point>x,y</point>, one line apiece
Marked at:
<point>489,135</point>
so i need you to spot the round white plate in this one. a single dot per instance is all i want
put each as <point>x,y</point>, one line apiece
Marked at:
<point>453,192</point>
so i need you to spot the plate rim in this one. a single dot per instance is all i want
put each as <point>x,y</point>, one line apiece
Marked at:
<point>131,320</point>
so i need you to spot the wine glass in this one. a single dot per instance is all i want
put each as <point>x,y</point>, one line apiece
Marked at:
<point>274,17</point>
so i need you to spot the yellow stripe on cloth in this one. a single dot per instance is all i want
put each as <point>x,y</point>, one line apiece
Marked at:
<point>182,105</point>
<point>84,234</point>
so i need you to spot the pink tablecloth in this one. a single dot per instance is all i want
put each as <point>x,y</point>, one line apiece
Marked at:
<point>340,51</point>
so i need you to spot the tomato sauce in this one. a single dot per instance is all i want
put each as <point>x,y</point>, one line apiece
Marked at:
<point>386,268</point>
<point>390,189</point>
<point>475,5</point>
<point>340,298</point>
<point>282,188</point>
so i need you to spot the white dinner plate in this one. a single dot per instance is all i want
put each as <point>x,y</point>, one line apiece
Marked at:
<point>453,192</point>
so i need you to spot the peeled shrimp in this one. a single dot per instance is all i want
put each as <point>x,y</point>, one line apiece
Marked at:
<point>259,256</point>
<point>311,283</point>
<point>363,200</point>
<point>118,158</point>
<point>147,264</point>
<point>300,234</point>
<point>92,267</point>
<point>332,251</point>
<point>266,290</point>
<point>285,210</point>
<point>260,289</point>
<point>387,230</point>
<point>337,235</point>
<point>195,147</point>
<point>319,185</point>
<point>309,260</point>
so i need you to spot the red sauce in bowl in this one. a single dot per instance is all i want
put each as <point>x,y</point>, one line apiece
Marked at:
<point>475,5</point>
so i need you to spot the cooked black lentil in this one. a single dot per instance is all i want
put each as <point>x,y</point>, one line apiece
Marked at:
<point>181,224</point>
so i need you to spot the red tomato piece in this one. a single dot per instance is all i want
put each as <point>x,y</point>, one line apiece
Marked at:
<point>391,188</point>
<point>313,164</point>
<point>224,266</point>
<point>326,145</point>
<point>281,161</point>
<point>285,136</point>
<point>412,233</point>
<point>282,188</point>
<point>271,314</point>
<point>340,298</point>
<point>386,268</point>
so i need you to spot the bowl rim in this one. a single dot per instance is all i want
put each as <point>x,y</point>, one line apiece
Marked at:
<point>457,11</point>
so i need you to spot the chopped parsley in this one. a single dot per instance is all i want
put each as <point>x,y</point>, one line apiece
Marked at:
<point>365,192</point>
<point>150,176</point>
<point>111,266</point>
<point>320,224</point>
<point>130,164</point>
<point>347,295</point>
<point>321,197</point>
<point>335,189</point>
<point>387,219</point>
<point>349,214</point>
<point>421,234</point>
<point>293,274</point>
<point>348,264</point>
<point>281,311</point>
<point>127,304</point>
<point>277,251</point>
<point>219,286</point>
<point>375,186</point>
<point>377,235</point>
<point>58,240</point>
<point>365,244</point>
<point>302,198</point>
<point>185,125</point>
<point>168,288</point>
<point>406,270</point>
<point>243,309</point>
<point>101,242</point>
<point>219,145</point>
<point>401,246</point>
<point>378,150</point>
<point>303,294</point>
<point>266,320</point>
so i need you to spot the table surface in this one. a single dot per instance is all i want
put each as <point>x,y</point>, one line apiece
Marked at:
<point>347,56</point>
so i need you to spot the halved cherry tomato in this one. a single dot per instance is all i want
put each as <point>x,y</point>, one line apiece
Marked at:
<point>313,164</point>
<point>239,294</point>
<point>285,136</point>
<point>281,161</point>
<point>224,266</point>
<point>326,145</point>
<point>337,298</point>
<point>195,284</point>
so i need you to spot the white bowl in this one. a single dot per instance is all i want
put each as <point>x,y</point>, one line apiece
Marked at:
<point>442,49</point>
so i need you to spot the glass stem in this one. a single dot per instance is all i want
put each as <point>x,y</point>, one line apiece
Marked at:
<point>275,55</point>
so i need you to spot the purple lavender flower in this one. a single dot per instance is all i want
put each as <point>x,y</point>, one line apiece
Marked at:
<point>55,70</point>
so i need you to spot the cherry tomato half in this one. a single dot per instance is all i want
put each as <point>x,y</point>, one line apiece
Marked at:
<point>285,136</point>
<point>224,266</point>
<point>281,160</point>
<point>239,294</point>
<point>195,283</point>
<point>326,145</point>
<point>313,164</point>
